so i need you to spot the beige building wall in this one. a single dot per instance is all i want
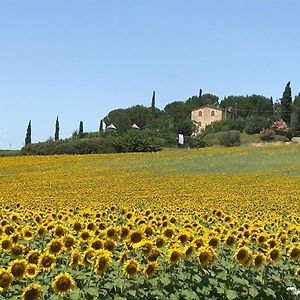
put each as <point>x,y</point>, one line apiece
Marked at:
<point>205,116</point>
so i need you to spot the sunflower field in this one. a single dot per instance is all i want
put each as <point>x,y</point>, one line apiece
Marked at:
<point>218,223</point>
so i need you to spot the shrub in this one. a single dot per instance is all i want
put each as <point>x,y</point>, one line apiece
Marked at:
<point>267,134</point>
<point>196,142</point>
<point>256,124</point>
<point>138,141</point>
<point>230,138</point>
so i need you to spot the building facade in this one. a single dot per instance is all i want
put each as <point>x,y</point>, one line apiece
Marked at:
<point>206,115</point>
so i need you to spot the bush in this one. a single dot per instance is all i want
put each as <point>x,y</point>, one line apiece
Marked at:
<point>138,141</point>
<point>195,142</point>
<point>230,138</point>
<point>256,124</point>
<point>267,135</point>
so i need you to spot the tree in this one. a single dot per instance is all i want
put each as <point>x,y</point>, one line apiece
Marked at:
<point>56,135</point>
<point>286,104</point>
<point>101,126</point>
<point>153,102</point>
<point>296,113</point>
<point>28,134</point>
<point>80,131</point>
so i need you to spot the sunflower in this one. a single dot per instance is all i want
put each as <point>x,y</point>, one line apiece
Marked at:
<point>17,268</point>
<point>131,268</point>
<point>47,262</point>
<point>75,258</point>
<point>5,244</point>
<point>146,248</point>
<point>154,254</point>
<point>189,249</point>
<point>59,230</point>
<point>297,273</point>
<point>68,241</point>
<point>41,231</point>
<point>205,255</point>
<point>150,269</point>
<point>174,256</point>
<point>258,260</point>
<point>230,240</point>
<point>168,232</point>
<point>103,260</point>
<point>31,271</point>
<point>33,256</point>
<point>109,245</point>
<point>96,244</point>
<point>55,247</point>
<point>135,238</point>
<point>27,234</point>
<point>16,250</point>
<point>63,283</point>
<point>273,255</point>
<point>160,241</point>
<point>88,257</point>
<point>294,252</point>
<point>243,255</point>
<point>6,279</point>
<point>214,242</point>
<point>32,292</point>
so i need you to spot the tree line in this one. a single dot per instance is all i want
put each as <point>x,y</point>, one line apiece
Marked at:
<point>175,117</point>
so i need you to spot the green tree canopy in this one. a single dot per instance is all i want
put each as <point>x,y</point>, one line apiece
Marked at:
<point>286,104</point>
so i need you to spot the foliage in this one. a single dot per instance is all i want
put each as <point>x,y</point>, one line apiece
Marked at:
<point>256,124</point>
<point>246,106</point>
<point>138,141</point>
<point>195,142</point>
<point>28,134</point>
<point>56,134</point>
<point>286,104</point>
<point>267,134</point>
<point>230,138</point>
<point>80,130</point>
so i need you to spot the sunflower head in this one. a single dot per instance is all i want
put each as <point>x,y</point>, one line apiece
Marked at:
<point>206,255</point>
<point>6,279</point>
<point>294,252</point>
<point>258,260</point>
<point>243,255</point>
<point>31,271</point>
<point>63,283</point>
<point>32,292</point>
<point>47,262</point>
<point>150,269</point>
<point>103,260</point>
<point>273,255</point>
<point>174,255</point>
<point>17,268</point>
<point>131,268</point>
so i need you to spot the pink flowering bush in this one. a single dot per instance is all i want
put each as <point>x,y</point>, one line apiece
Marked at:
<point>280,124</point>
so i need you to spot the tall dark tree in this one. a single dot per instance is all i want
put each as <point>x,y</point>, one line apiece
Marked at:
<point>28,134</point>
<point>296,113</point>
<point>101,126</point>
<point>153,102</point>
<point>200,93</point>
<point>286,104</point>
<point>56,134</point>
<point>80,131</point>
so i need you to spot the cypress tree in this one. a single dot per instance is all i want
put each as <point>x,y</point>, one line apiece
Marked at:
<point>153,101</point>
<point>56,135</point>
<point>286,104</point>
<point>28,134</point>
<point>80,128</point>
<point>101,126</point>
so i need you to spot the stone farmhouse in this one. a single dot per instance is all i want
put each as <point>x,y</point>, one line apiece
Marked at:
<point>208,114</point>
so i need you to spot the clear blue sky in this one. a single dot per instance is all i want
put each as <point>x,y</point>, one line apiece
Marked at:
<point>81,59</point>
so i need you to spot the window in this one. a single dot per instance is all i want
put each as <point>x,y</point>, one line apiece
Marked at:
<point>200,113</point>
<point>212,113</point>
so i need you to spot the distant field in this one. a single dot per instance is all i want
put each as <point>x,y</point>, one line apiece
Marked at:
<point>212,223</point>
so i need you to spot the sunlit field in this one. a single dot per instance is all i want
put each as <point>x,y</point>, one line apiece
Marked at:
<point>216,223</point>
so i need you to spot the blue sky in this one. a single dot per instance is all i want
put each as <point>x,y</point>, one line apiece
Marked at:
<point>81,59</point>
